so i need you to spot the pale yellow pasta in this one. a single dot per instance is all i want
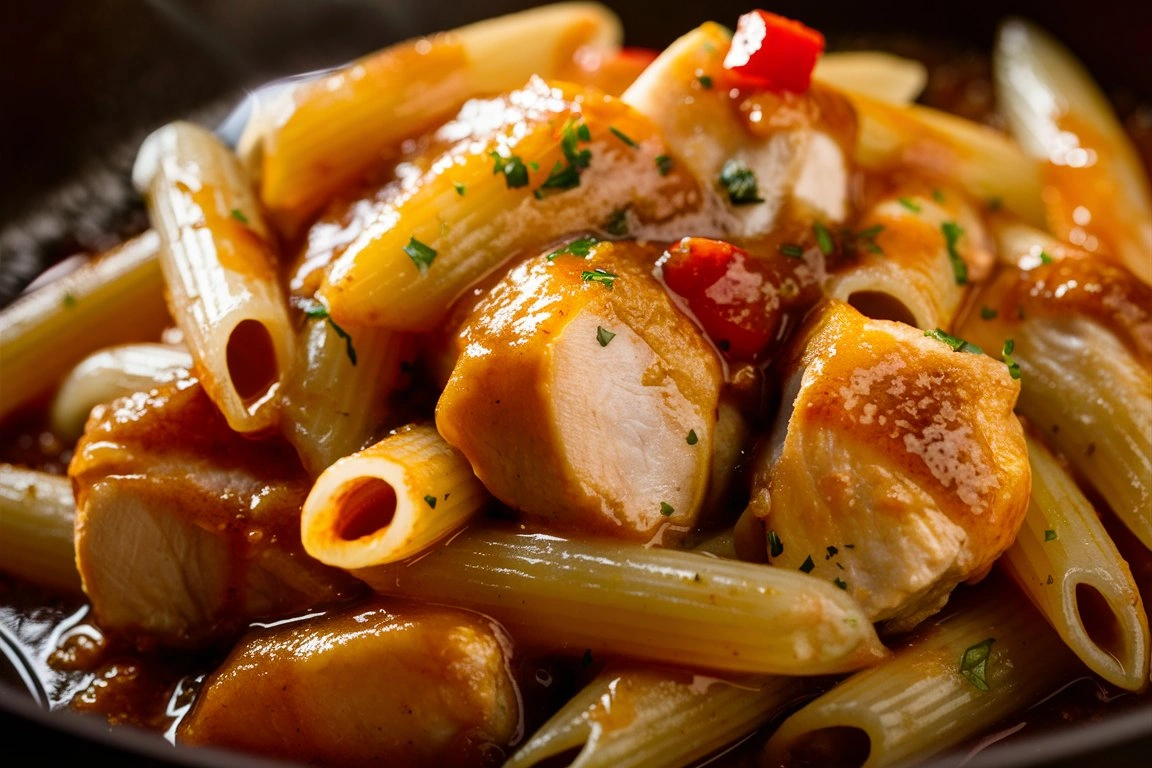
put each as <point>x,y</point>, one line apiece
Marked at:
<point>220,271</point>
<point>649,604</point>
<point>1066,563</point>
<point>37,513</point>
<point>313,139</point>
<point>390,501</point>
<point>882,76</point>
<point>116,299</point>
<point>675,718</point>
<point>935,693</point>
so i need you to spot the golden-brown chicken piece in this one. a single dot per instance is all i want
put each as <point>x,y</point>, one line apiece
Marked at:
<point>896,467</point>
<point>369,686</point>
<point>186,530</point>
<point>583,397</point>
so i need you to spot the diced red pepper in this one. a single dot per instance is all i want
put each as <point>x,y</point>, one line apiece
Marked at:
<point>724,291</point>
<point>774,52</point>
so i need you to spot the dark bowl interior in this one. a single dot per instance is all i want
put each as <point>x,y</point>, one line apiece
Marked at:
<point>83,82</point>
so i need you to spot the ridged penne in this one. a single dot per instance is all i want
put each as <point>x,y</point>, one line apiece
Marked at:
<point>677,718</point>
<point>650,604</point>
<point>1065,562</point>
<point>220,271</point>
<point>390,501</point>
<point>958,677</point>
<point>37,515</point>
<point>336,396</point>
<point>116,299</point>
<point>315,138</point>
<point>1096,189</point>
<point>111,373</point>
<point>879,75</point>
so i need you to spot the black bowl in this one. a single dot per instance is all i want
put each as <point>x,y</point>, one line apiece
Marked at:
<point>83,82</point>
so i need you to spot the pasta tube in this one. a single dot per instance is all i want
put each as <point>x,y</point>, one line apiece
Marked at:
<point>650,604</point>
<point>111,373</point>
<point>1067,565</point>
<point>390,501</point>
<point>1095,188</point>
<point>220,271</point>
<point>956,679</point>
<point>879,75</point>
<point>677,718</point>
<point>116,299</point>
<point>311,140</point>
<point>37,514</point>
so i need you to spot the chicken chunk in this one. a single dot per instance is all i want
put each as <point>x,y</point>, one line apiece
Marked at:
<point>185,530</point>
<point>367,687</point>
<point>896,468</point>
<point>583,397</point>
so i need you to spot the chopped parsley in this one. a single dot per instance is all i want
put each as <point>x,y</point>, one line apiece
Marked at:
<point>987,313</point>
<point>840,583</point>
<point>460,188</point>
<point>909,203</point>
<point>1045,258</point>
<point>792,251</point>
<point>705,81</point>
<point>739,182</point>
<point>318,311</point>
<point>865,239</point>
<point>603,335</point>
<point>974,664</point>
<point>239,216</point>
<point>1050,535</point>
<point>807,565</point>
<point>1006,353</point>
<point>692,438</point>
<point>580,247</point>
<point>952,234</point>
<point>832,552</point>
<point>937,195</point>
<point>622,136</point>
<point>422,255</point>
<point>602,276</point>
<point>666,509</point>
<point>68,300</point>
<point>513,168</point>
<point>775,546</point>
<point>955,342</point>
<point>664,164</point>
<point>823,239</point>
<point>617,223</point>
<point>430,501</point>
<point>566,173</point>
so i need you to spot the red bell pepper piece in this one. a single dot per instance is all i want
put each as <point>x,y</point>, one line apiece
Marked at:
<point>774,52</point>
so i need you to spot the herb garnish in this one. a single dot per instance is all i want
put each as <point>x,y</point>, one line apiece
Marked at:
<point>974,664</point>
<point>775,546</point>
<point>740,183</point>
<point>666,509</point>
<point>664,164</point>
<point>823,238</point>
<point>807,565</point>
<point>1050,535</point>
<point>937,195</point>
<point>1006,353</point>
<point>832,552</point>
<point>422,255</point>
<point>68,300</point>
<point>909,203</point>
<point>792,251</point>
<point>513,168</point>
<point>460,188</point>
<point>705,81</point>
<point>602,276</point>
<point>622,136</point>
<point>865,239</point>
<point>318,311</point>
<point>603,335</point>
<point>239,216</point>
<point>840,583</point>
<point>579,247</point>
<point>567,175</point>
<point>617,223</point>
<point>952,234</point>
<point>430,501</point>
<point>955,342</point>
<point>692,438</point>
<point>1045,258</point>
<point>987,313</point>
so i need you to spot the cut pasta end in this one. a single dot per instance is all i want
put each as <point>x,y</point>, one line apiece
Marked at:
<point>1115,636</point>
<point>844,746</point>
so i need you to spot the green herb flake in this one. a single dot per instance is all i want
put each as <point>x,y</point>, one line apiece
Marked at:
<point>937,195</point>
<point>513,168</point>
<point>955,342</point>
<point>602,276</point>
<point>792,251</point>
<point>664,164</point>
<point>807,565</point>
<point>622,136</point>
<point>832,552</point>
<point>580,247</point>
<point>1050,581</point>
<point>952,234</point>
<point>422,255</point>
<point>739,182</point>
<point>603,335</point>
<point>1045,258</point>
<point>823,239</point>
<point>840,583</point>
<point>617,223</point>
<point>430,501</point>
<point>666,509</point>
<point>239,216</point>
<point>865,239</point>
<point>705,81</point>
<point>987,313</point>
<point>1050,535</point>
<point>692,438</point>
<point>318,311</point>
<point>775,546</point>
<point>974,664</point>
<point>1006,353</point>
<point>68,300</point>
<point>460,188</point>
<point>566,173</point>
<point>849,546</point>
<point>910,204</point>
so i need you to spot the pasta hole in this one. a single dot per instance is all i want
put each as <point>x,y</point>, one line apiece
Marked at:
<point>1099,621</point>
<point>368,506</point>
<point>839,746</point>
<point>881,306</point>
<point>251,361</point>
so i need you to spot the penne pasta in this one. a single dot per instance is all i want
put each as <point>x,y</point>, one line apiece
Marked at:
<point>111,373</point>
<point>677,718</point>
<point>881,76</point>
<point>315,138</point>
<point>118,298</point>
<point>37,514</point>
<point>391,501</point>
<point>1067,565</point>
<point>220,271</point>
<point>649,604</point>
<point>959,676</point>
